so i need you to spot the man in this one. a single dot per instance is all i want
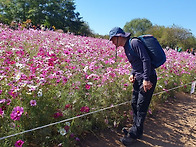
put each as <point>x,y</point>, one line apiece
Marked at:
<point>143,77</point>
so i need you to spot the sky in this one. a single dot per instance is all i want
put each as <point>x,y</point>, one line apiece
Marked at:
<point>103,15</point>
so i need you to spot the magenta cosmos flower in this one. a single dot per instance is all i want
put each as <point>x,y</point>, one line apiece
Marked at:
<point>2,101</point>
<point>16,113</point>
<point>87,86</point>
<point>33,103</point>
<point>58,114</point>
<point>19,143</point>
<point>1,112</point>
<point>85,109</point>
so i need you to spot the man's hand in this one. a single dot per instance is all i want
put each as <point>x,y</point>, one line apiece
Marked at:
<point>132,79</point>
<point>147,85</point>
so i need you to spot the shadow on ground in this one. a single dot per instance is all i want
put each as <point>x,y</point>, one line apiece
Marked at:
<point>174,125</point>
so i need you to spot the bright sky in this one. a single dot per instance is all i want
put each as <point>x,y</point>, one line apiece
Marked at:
<point>103,15</point>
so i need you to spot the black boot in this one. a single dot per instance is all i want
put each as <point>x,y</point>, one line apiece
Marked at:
<point>127,140</point>
<point>126,130</point>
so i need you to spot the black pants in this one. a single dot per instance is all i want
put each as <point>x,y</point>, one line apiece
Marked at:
<point>140,103</point>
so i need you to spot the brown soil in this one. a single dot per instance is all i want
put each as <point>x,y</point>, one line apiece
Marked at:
<point>173,126</point>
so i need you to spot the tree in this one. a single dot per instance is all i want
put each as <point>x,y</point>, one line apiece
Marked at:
<point>156,31</point>
<point>173,36</point>
<point>137,26</point>
<point>13,10</point>
<point>60,13</point>
<point>85,30</point>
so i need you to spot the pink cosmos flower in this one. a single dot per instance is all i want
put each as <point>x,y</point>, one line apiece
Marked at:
<point>77,139</point>
<point>16,113</point>
<point>65,80</point>
<point>58,114</point>
<point>79,51</point>
<point>51,64</point>
<point>33,102</point>
<point>71,135</point>
<point>126,85</point>
<point>12,93</point>
<point>85,109</point>
<point>1,112</point>
<point>3,107</point>
<point>68,106</point>
<point>19,143</point>
<point>66,128</point>
<point>92,75</point>
<point>88,86</point>
<point>8,101</point>
<point>2,101</point>
<point>149,111</point>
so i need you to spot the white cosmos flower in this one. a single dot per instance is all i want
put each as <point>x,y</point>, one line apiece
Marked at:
<point>115,124</point>
<point>51,52</point>
<point>90,83</point>
<point>67,123</point>
<point>85,69</point>
<point>19,65</point>
<point>18,75</point>
<point>23,84</point>
<point>58,94</point>
<point>62,131</point>
<point>74,101</point>
<point>32,87</point>
<point>160,86</point>
<point>92,75</point>
<point>39,93</point>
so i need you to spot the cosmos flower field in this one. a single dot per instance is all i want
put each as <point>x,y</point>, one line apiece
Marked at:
<point>46,77</point>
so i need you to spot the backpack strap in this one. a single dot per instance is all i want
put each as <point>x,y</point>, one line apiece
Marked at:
<point>132,52</point>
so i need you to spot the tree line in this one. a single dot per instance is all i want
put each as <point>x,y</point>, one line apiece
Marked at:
<point>58,13</point>
<point>173,36</point>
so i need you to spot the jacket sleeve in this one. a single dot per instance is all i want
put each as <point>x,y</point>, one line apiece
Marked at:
<point>140,49</point>
<point>132,73</point>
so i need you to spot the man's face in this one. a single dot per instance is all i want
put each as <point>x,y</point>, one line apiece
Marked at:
<point>115,41</point>
<point>118,41</point>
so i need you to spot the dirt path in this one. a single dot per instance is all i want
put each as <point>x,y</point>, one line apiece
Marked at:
<point>173,126</point>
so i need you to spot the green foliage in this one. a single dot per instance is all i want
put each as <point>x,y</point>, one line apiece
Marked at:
<point>173,36</point>
<point>58,13</point>
<point>85,30</point>
<point>137,26</point>
<point>167,36</point>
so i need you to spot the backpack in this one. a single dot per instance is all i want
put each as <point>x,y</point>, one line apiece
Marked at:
<point>154,49</point>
